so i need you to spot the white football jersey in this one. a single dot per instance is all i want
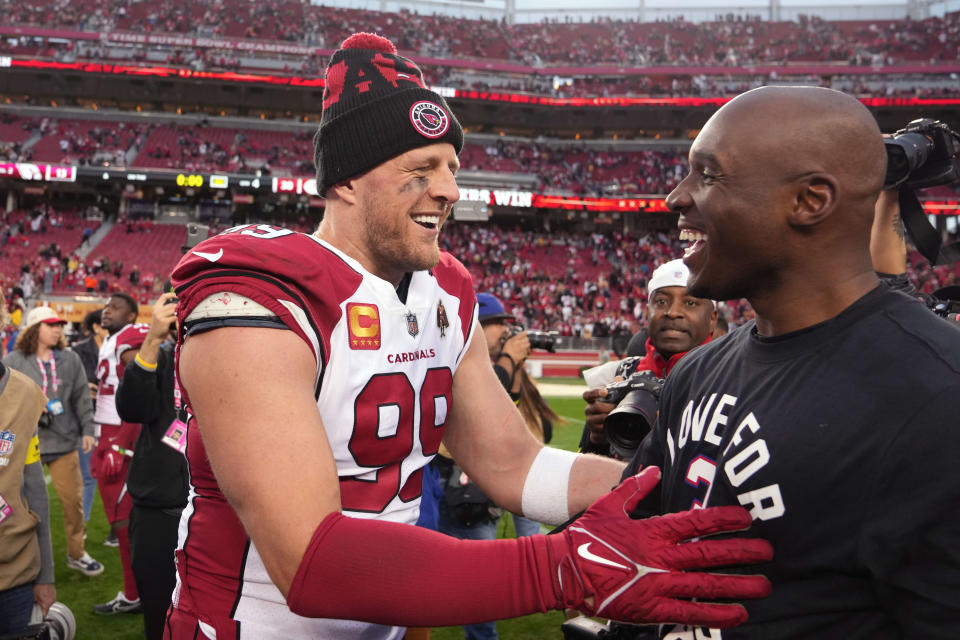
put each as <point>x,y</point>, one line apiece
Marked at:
<point>385,370</point>
<point>110,369</point>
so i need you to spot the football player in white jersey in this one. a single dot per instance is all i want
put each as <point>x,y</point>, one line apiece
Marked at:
<point>110,466</point>
<point>321,372</point>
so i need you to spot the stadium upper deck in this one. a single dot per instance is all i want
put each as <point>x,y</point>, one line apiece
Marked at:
<point>318,29</point>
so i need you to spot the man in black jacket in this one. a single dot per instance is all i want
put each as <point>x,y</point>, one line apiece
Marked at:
<point>157,480</point>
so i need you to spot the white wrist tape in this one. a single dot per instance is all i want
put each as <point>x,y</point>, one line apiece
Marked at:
<point>545,490</point>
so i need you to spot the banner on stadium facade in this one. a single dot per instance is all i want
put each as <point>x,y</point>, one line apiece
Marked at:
<point>77,310</point>
<point>206,43</point>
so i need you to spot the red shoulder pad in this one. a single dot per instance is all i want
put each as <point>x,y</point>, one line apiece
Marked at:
<point>275,267</point>
<point>454,278</point>
<point>132,337</point>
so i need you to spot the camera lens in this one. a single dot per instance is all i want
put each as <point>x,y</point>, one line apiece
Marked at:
<point>629,423</point>
<point>905,153</point>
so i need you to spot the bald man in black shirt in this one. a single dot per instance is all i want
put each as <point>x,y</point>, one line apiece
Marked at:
<point>832,417</point>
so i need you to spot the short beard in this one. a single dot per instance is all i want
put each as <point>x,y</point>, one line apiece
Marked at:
<point>391,253</point>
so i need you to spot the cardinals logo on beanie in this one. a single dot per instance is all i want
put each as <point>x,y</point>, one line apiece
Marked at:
<point>375,107</point>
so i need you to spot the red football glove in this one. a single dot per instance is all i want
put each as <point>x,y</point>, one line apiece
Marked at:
<point>631,570</point>
<point>112,465</point>
<point>605,563</point>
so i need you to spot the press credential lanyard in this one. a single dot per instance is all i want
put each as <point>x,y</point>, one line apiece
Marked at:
<point>43,373</point>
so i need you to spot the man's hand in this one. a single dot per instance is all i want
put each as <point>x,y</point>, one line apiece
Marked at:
<point>163,316</point>
<point>596,412</point>
<point>112,465</point>
<point>517,347</point>
<point>44,595</point>
<point>87,443</point>
<point>639,570</point>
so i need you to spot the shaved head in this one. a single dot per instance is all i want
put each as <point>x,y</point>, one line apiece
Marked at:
<point>797,131</point>
<point>781,193</point>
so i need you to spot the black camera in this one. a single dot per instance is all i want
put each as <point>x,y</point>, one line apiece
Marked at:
<point>922,154</point>
<point>945,302</point>
<point>628,424</point>
<point>543,340</point>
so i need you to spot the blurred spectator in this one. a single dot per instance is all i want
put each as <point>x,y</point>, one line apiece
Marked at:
<point>67,423</point>
<point>88,348</point>
<point>26,555</point>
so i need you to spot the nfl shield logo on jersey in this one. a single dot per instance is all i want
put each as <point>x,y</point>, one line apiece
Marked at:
<point>412,327</point>
<point>6,442</point>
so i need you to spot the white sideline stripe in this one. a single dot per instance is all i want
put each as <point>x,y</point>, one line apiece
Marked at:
<point>548,389</point>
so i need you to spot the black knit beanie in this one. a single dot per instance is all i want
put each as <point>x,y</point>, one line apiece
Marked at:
<point>375,107</point>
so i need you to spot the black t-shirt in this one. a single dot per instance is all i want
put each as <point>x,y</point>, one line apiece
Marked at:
<point>843,441</point>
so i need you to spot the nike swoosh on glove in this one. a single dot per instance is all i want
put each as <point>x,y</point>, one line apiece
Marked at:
<point>638,570</point>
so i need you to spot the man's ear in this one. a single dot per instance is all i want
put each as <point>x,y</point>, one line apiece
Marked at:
<point>345,191</point>
<point>816,198</point>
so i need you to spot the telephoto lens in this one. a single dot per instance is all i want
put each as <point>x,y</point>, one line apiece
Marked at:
<point>630,422</point>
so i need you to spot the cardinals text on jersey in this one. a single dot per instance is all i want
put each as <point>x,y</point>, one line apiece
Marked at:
<point>383,392</point>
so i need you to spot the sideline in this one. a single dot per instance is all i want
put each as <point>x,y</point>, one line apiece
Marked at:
<point>561,390</point>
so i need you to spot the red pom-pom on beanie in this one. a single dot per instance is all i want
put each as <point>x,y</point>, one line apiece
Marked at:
<point>369,41</point>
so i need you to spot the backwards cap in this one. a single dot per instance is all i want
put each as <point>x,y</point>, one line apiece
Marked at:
<point>375,107</point>
<point>669,274</point>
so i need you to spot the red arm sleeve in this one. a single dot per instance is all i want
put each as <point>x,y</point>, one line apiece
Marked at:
<point>416,577</point>
<point>605,563</point>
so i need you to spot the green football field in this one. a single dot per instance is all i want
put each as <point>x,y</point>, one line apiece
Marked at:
<point>80,593</point>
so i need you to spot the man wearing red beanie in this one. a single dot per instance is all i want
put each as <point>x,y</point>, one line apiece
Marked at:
<point>321,373</point>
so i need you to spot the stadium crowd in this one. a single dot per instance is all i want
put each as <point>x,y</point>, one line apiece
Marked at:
<point>40,255</point>
<point>201,147</point>
<point>581,170</point>
<point>578,284</point>
<point>728,40</point>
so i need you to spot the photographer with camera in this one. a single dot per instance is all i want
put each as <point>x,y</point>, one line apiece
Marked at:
<point>157,480</point>
<point>619,415</point>
<point>508,343</point>
<point>832,416</point>
<point>888,246</point>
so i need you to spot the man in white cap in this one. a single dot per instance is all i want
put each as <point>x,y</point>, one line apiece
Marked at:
<point>677,323</point>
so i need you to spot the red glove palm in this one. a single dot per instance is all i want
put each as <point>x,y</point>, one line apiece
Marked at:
<point>634,570</point>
